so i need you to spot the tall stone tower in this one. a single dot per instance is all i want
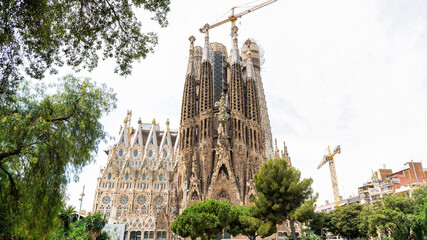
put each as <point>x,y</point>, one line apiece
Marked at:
<point>225,134</point>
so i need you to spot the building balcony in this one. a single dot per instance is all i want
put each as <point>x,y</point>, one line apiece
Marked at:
<point>374,192</point>
<point>387,191</point>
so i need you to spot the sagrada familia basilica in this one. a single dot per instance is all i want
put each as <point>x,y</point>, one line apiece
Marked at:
<point>223,140</point>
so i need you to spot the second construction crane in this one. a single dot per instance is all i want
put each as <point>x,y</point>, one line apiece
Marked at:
<point>330,158</point>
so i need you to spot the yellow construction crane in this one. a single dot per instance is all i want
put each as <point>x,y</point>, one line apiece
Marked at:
<point>330,158</point>
<point>233,17</point>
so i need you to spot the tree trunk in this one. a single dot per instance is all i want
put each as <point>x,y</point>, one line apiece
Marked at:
<point>292,223</point>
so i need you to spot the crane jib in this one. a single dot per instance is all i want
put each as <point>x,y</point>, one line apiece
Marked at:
<point>233,17</point>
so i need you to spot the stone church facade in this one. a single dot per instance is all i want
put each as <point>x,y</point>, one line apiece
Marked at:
<point>136,187</point>
<point>223,140</point>
<point>219,157</point>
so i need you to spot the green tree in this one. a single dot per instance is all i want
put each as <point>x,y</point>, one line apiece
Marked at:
<point>205,219</point>
<point>369,219</point>
<point>66,215</point>
<point>280,192</point>
<point>419,194</point>
<point>303,213</point>
<point>45,137</point>
<point>39,35</point>
<point>348,221</point>
<point>422,216</point>
<point>320,223</point>
<point>89,228</point>
<point>420,199</point>
<point>244,222</point>
<point>394,215</point>
<point>94,224</point>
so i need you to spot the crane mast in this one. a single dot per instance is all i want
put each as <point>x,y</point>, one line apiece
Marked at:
<point>233,17</point>
<point>330,158</point>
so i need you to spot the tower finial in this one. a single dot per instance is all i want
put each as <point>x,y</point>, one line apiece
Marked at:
<point>190,67</point>
<point>235,51</point>
<point>192,39</point>
<point>154,121</point>
<point>206,54</point>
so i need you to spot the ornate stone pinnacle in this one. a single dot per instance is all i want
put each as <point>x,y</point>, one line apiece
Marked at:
<point>154,121</point>
<point>192,39</point>
<point>222,115</point>
<point>139,121</point>
<point>125,120</point>
<point>234,29</point>
<point>248,42</point>
<point>167,122</point>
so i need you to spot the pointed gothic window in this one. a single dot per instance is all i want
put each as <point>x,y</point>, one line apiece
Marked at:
<point>166,141</point>
<point>126,176</point>
<point>194,197</point>
<point>143,176</point>
<point>150,153</point>
<point>123,140</point>
<point>160,177</point>
<point>109,176</point>
<point>166,154</point>
<point>121,152</point>
<point>151,141</point>
<point>137,140</point>
<point>135,153</point>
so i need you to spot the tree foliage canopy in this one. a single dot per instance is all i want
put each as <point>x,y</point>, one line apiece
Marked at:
<point>37,35</point>
<point>347,221</point>
<point>281,191</point>
<point>398,216</point>
<point>320,223</point>
<point>395,215</point>
<point>88,228</point>
<point>244,222</point>
<point>44,137</point>
<point>205,219</point>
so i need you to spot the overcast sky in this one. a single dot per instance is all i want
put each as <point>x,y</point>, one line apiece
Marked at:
<point>349,73</point>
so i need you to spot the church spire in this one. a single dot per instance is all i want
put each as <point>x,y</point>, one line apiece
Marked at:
<point>190,68</point>
<point>206,52</point>
<point>235,50</point>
